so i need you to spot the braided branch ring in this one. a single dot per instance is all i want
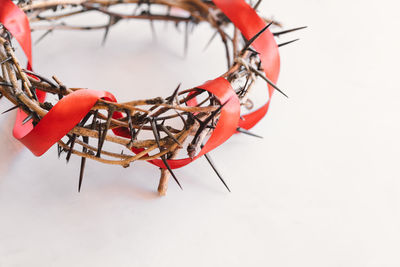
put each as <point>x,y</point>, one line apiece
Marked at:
<point>40,125</point>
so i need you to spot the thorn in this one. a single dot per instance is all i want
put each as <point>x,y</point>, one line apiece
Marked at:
<point>68,143</point>
<point>94,119</point>
<point>83,164</point>
<point>210,41</point>
<point>216,171</point>
<point>41,78</point>
<point>85,119</point>
<point>253,51</point>
<point>171,98</point>
<point>131,129</point>
<point>268,81</point>
<point>82,169</point>
<point>30,116</point>
<point>170,134</point>
<point>248,43</point>
<point>259,66</point>
<point>183,120</point>
<point>157,137</point>
<point>8,110</point>
<point>247,82</point>
<point>99,141</point>
<point>155,132</point>
<point>137,132</point>
<point>84,149</point>
<point>283,44</point>
<point>170,170</point>
<point>256,5</point>
<point>195,118</point>
<point>206,121</point>
<point>111,20</point>
<point>59,150</point>
<point>243,90</point>
<point>244,131</point>
<point>42,36</point>
<point>104,133</point>
<point>33,92</point>
<point>153,30</point>
<point>73,138</point>
<point>288,31</point>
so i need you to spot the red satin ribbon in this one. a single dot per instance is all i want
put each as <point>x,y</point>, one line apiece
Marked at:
<point>17,23</point>
<point>70,110</point>
<point>249,23</point>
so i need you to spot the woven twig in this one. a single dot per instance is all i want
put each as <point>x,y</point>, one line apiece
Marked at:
<point>156,115</point>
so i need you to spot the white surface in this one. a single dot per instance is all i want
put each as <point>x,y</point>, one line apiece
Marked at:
<point>321,189</point>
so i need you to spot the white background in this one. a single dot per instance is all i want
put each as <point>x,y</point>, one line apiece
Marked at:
<point>321,189</point>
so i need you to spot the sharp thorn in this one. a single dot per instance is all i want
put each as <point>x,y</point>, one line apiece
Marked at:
<point>244,131</point>
<point>157,137</point>
<point>81,172</point>
<point>286,43</point>
<point>107,29</point>
<point>85,119</point>
<point>288,31</point>
<point>171,98</point>
<point>83,164</point>
<point>183,120</point>
<point>195,117</point>
<point>8,110</point>
<point>43,36</point>
<point>153,30</point>
<point>155,132</point>
<point>253,51</point>
<point>170,170</point>
<point>210,41</point>
<point>130,125</point>
<point>41,78</point>
<point>30,116</point>
<point>99,141</point>
<point>33,92</point>
<point>248,43</point>
<point>73,138</point>
<point>257,5</point>
<point>104,132</point>
<point>59,150</point>
<point>208,158</point>
<point>259,66</point>
<point>92,126</point>
<point>170,134</point>
<point>203,125</point>
<point>268,81</point>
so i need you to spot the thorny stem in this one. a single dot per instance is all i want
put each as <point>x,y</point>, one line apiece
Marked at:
<point>18,85</point>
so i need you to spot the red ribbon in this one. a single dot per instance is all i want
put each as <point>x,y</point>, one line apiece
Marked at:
<point>70,110</point>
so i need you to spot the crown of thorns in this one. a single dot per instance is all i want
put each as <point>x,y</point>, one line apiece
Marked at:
<point>83,114</point>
